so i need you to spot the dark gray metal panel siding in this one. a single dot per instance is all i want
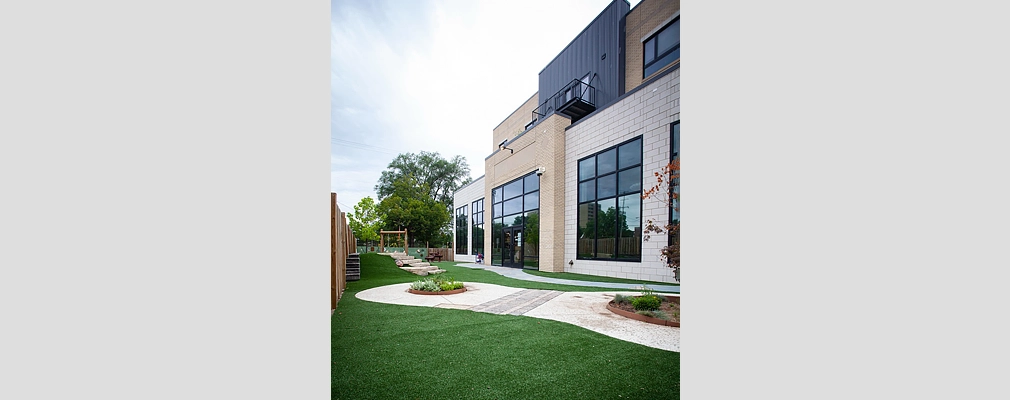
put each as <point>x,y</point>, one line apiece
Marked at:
<point>602,36</point>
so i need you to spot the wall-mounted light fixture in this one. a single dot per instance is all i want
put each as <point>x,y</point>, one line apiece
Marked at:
<point>502,146</point>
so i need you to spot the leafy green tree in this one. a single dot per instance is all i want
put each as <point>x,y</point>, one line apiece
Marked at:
<point>365,221</point>
<point>439,177</point>
<point>531,230</point>
<point>609,219</point>
<point>531,239</point>
<point>408,206</point>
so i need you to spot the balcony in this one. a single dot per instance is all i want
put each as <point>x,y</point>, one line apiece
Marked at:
<point>576,100</point>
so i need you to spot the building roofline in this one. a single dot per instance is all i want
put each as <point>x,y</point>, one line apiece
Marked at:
<point>636,6</point>
<point>514,111</point>
<point>468,184</point>
<point>583,31</point>
<point>508,141</point>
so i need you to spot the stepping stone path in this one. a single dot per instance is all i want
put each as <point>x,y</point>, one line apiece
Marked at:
<point>413,265</point>
<point>517,303</point>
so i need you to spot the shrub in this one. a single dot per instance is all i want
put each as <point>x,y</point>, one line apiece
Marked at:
<point>647,302</point>
<point>436,284</point>
<point>654,314</point>
<point>622,299</point>
<point>427,285</point>
<point>450,284</point>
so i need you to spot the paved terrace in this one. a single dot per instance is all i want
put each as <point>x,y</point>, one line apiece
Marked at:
<point>585,309</point>
<point>519,274</point>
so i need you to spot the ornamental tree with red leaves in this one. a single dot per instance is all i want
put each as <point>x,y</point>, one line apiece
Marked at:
<point>667,191</point>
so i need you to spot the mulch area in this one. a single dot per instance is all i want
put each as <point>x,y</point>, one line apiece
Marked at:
<point>671,308</point>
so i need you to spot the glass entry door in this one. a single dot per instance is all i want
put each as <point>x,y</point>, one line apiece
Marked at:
<point>512,249</point>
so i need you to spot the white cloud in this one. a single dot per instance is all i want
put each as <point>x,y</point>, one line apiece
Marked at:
<point>435,76</point>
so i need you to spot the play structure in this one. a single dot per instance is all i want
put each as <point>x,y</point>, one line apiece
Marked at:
<point>400,234</point>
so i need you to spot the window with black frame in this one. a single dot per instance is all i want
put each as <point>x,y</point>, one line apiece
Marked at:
<point>515,223</point>
<point>675,193</point>
<point>610,204</point>
<point>461,237</point>
<point>662,48</point>
<point>477,220</point>
<point>675,156</point>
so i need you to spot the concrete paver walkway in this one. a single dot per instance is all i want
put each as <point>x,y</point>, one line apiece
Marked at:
<point>519,274</point>
<point>517,303</point>
<point>584,309</point>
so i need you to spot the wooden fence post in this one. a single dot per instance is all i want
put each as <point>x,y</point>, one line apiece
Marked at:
<point>333,251</point>
<point>342,253</point>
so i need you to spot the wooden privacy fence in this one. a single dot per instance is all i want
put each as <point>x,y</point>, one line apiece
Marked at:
<point>341,244</point>
<point>445,252</point>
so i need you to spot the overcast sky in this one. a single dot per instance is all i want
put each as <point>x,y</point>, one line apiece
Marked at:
<point>434,75</point>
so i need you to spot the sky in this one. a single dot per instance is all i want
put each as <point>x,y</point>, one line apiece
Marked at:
<point>434,75</point>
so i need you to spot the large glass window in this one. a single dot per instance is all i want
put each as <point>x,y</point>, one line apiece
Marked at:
<point>610,204</point>
<point>675,185</point>
<point>477,220</point>
<point>662,48</point>
<point>461,232</point>
<point>674,239</point>
<point>515,223</point>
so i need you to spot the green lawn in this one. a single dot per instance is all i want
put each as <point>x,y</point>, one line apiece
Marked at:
<point>385,351</point>
<point>481,275</point>
<point>594,278</point>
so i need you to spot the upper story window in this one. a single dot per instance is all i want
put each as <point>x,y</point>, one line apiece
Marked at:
<point>662,48</point>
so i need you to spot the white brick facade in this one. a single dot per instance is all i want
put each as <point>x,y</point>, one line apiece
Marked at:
<point>554,145</point>
<point>648,112</point>
<point>466,196</point>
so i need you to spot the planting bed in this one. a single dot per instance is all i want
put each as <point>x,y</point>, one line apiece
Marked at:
<point>442,292</point>
<point>670,306</point>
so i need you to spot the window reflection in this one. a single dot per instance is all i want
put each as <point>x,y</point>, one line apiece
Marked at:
<point>610,227</point>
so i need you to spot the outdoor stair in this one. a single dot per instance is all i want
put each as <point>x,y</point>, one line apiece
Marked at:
<point>353,267</point>
<point>414,265</point>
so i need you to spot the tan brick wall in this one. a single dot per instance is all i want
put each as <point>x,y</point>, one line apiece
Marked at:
<point>643,19</point>
<point>550,148</point>
<point>543,146</point>
<point>515,123</point>
<point>503,167</point>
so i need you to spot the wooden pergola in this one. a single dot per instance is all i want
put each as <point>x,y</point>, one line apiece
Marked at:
<point>382,236</point>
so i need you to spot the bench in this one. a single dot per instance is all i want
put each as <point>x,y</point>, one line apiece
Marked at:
<point>433,255</point>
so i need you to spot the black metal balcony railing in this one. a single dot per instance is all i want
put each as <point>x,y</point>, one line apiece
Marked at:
<point>576,100</point>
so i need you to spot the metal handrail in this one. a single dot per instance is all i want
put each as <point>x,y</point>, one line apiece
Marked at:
<point>582,90</point>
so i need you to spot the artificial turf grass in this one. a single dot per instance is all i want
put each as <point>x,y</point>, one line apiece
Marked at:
<point>593,278</point>
<point>392,351</point>
<point>464,274</point>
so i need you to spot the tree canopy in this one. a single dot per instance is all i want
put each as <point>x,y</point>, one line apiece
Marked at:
<point>365,220</point>
<point>439,177</point>
<point>407,205</point>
